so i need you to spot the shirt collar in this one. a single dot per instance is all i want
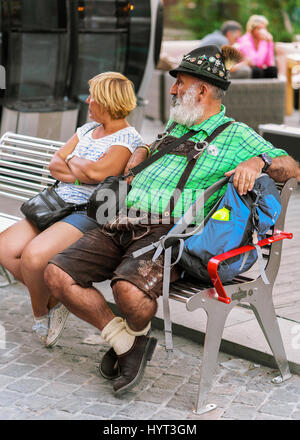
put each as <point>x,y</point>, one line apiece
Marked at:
<point>210,124</point>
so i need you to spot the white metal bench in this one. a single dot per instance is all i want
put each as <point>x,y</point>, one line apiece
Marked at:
<point>24,172</point>
<point>218,301</point>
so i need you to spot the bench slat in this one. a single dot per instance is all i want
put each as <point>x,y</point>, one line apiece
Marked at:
<point>6,221</point>
<point>25,183</point>
<point>31,145</point>
<point>24,162</point>
<point>13,196</point>
<point>26,152</point>
<point>20,175</point>
<point>25,159</point>
<point>178,297</point>
<point>23,167</point>
<point>9,136</point>
<point>16,190</point>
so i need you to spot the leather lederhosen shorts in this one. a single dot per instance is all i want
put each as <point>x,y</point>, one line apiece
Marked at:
<point>105,252</point>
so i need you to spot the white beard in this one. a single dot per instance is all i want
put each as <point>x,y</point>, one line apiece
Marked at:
<point>184,110</point>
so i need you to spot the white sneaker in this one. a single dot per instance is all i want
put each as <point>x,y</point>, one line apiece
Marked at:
<point>57,319</point>
<point>41,327</point>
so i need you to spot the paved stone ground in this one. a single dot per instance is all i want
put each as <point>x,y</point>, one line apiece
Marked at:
<point>64,383</point>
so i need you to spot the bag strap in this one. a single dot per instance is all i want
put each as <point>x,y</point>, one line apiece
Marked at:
<point>137,169</point>
<point>178,228</point>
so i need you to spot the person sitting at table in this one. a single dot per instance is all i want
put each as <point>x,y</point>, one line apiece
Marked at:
<point>258,48</point>
<point>228,34</point>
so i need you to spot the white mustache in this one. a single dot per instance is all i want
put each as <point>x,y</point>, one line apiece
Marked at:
<point>175,101</point>
<point>184,110</point>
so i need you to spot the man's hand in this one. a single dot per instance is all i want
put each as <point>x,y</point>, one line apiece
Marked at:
<point>137,157</point>
<point>245,174</point>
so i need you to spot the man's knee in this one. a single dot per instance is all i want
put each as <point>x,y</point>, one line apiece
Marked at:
<point>56,280</point>
<point>125,292</point>
<point>129,298</point>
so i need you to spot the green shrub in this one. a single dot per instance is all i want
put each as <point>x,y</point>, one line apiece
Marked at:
<point>204,16</point>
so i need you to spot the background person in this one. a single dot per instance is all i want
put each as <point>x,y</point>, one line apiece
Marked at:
<point>229,34</point>
<point>258,48</point>
<point>97,150</point>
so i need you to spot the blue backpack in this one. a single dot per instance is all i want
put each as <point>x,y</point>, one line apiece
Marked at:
<point>250,215</point>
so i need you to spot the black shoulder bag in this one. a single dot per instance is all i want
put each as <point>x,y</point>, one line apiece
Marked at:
<point>47,207</point>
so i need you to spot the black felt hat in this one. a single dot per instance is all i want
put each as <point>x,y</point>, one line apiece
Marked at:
<point>209,63</point>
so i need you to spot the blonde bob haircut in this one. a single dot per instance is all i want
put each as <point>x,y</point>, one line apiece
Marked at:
<point>256,20</point>
<point>114,92</point>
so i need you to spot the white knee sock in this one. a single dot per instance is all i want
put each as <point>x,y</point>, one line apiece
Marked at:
<point>116,335</point>
<point>140,333</point>
<point>120,336</point>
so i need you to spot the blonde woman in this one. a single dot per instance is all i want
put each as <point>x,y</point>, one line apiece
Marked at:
<point>97,150</point>
<point>258,47</point>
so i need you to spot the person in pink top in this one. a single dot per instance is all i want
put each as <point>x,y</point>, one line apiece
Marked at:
<point>258,48</point>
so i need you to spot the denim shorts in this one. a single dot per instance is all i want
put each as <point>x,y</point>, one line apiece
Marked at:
<point>81,221</point>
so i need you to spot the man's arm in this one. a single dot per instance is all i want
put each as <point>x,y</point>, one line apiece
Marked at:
<point>245,174</point>
<point>283,168</point>
<point>139,155</point>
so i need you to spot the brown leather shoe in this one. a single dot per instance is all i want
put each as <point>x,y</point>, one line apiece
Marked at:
<point>109,366</point>
<point>133,363</point>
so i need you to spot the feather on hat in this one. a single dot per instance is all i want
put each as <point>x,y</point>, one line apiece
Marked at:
<point>231,56</point>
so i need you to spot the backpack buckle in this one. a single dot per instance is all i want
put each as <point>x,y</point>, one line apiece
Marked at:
<point>255,237</point>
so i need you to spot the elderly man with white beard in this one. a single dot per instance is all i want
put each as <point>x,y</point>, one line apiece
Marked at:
<point>106,252</point>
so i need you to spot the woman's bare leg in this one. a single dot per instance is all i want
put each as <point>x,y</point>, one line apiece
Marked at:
<point>12,243</point>
<point>35,258</point>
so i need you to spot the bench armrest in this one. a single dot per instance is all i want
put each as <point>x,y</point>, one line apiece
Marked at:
<point>214,262</point>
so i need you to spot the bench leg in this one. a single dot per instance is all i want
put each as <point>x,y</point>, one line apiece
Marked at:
<point>10,279</point>
<point>214,330</point>
<point>266,317</point>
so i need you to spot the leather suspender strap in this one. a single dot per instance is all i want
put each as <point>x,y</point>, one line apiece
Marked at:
<point>189,168</point>
<point>186,173</point>
<point>135,170</point>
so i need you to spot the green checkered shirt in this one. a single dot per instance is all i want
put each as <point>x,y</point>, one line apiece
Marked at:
<point>153,187</point>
